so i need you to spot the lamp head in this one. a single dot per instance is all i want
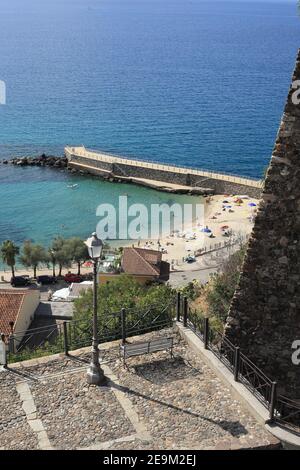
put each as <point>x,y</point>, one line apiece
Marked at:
<point>94,246</point>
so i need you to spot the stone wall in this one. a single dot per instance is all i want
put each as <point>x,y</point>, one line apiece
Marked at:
<point>225,186</point>
<point>93,163</point>
<point>264,318</point>
<point>137,171</point>
<point>219,186</point>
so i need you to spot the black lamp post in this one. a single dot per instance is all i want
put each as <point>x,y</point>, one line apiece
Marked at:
<point>95,375</point>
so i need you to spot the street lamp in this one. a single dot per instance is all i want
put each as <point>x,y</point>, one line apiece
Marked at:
<point>95,375</point>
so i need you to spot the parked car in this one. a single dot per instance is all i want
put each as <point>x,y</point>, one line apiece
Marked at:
<point>20,281</point>
<point>70,277</point>
<point>44,279</point>
<point>190,259</point>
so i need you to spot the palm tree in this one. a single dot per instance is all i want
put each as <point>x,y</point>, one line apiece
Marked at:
<point>33,255</point>
<point>9,251</point>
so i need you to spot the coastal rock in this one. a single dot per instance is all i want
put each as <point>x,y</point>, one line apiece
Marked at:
<point>40,160</point>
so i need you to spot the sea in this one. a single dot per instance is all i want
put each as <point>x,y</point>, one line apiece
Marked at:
<point>188,82</point>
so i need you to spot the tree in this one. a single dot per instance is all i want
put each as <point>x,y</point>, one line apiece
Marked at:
<point>33,255</point>
<point>213,299</point>
<point>9,251</point>
<point>78,251</point>
<point>60,253</point>
<point>147,308</point>
<point>223,285</point>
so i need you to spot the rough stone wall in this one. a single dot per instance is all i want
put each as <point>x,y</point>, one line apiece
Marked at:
<point>91,162</point>
<point>224,186</point>
<point>151,173</point>
<point>264,317</point>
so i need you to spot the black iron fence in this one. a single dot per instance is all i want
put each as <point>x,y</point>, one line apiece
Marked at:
<point>152,318</point>
<point>282,410</point>
<point>70,335</point>
<point>288,413</point>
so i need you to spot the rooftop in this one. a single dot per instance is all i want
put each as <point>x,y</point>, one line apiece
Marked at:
<point>11,302</point>
<point>143,262</point>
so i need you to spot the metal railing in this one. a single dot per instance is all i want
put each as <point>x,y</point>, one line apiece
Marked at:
<point>288,413</point>
<point>108,158</point>
<point>153,318</point>
<point>71,335</point>
<point>36,342</point>
<point>255,380</point>
<point>282,410</point>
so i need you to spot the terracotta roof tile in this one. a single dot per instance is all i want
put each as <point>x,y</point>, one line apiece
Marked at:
<point>11,302</point>
<point>141,261</point>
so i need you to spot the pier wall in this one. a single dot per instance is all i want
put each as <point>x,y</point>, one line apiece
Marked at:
<point>113,166</point>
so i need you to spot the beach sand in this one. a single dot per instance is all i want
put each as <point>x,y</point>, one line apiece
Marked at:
<point>240,222</point>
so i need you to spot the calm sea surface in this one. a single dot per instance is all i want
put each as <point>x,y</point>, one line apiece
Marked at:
<point>199,83</point>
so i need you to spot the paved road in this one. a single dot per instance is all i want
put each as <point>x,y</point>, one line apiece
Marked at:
<point>181,279</point>
<point>200,270</point>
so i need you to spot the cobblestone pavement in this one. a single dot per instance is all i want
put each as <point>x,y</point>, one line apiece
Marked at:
<point>15,432</point>
<point>158,402</point>
<point>76,415</point>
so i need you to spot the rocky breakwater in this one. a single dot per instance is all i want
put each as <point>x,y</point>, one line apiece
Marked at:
<point>41,160</point>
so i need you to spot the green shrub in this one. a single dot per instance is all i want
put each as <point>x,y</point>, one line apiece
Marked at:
<point>147,308</point>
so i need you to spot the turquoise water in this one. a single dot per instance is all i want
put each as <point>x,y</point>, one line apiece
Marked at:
<point>38,204</point>
<point>199,83</point>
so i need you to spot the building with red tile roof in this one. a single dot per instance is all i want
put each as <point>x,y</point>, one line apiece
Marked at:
<point>17,307</point>
<point>144,262</point>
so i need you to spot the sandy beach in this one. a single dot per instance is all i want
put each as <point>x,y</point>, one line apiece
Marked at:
<point>237,217</point>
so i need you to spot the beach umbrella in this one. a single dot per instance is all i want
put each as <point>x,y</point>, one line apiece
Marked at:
<point>228,207</point>
<point>225,202</point>
<point>206,230</point>
<point>224,227</point>
<point>252,204</point>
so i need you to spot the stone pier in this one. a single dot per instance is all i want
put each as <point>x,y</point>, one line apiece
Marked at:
<point>160,176</point>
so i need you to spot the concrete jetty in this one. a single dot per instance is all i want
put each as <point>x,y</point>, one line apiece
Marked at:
<point>163,177</point>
